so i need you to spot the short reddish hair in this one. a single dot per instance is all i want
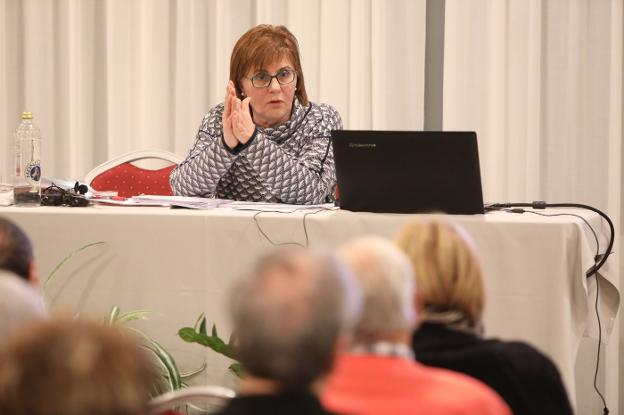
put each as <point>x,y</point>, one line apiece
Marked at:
<point>261,46</point>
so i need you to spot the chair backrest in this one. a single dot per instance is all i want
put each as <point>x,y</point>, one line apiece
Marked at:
<point>216,396</point>
<point>124,176</point>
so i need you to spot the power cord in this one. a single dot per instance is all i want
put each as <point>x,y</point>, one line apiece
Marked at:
<point>305,228</point>
<point>599,259</point>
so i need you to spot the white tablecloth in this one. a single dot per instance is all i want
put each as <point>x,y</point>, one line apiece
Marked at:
<point>179,263</point>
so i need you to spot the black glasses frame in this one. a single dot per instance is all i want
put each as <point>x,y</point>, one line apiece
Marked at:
<point>294,72</point>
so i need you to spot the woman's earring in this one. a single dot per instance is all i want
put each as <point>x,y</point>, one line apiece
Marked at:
<point>242,94</point>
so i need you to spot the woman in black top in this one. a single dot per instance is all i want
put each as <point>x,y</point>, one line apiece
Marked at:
<point>450,298</point>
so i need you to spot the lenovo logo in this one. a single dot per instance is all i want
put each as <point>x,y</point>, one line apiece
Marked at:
<point>362,145</point>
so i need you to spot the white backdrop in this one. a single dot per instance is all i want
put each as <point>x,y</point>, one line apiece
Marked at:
<point>104,77</point>
<point>541,83</point>
<point>539,80</point>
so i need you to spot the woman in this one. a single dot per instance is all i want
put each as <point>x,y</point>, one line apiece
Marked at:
<point>450,298</point>
<point>266,142</point>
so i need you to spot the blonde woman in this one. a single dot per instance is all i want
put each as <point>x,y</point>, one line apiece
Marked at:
<point>377,374</point>
<point>450,300</point>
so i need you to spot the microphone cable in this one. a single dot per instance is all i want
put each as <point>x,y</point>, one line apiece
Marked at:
<point>599,259</point>
<point>305,226</point>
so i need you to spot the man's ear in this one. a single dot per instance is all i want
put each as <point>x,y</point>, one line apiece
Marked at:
<point>33,277</point>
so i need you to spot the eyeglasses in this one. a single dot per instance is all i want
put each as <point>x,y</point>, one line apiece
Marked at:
<point>263,80</point>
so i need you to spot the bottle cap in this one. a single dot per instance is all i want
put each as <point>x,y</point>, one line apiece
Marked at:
<point>27,116</point>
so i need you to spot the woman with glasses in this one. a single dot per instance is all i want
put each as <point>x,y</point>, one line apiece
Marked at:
<point>266,142</point>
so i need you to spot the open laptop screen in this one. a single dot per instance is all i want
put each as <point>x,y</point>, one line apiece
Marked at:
<point>408,171</point>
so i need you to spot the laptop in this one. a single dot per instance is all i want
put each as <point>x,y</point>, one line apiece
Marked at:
<point>408,171</point>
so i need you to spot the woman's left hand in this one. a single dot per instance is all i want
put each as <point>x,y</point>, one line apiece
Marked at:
<point>242,123</point>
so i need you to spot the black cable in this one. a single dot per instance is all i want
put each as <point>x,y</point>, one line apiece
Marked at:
<point>305,228</point>
<point>255,219</point>
<point>510,207</point>
<point>543,205</point>
<point>604,402</point>
<point>576,216</point>
<point>605,410</point>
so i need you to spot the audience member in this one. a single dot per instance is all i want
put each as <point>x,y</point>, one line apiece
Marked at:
<point>20,304</point>
<point>289,316</point>
<point>74,367</point>
<point>451,299</point>
<point>16,253</point>
<point>379,375</point>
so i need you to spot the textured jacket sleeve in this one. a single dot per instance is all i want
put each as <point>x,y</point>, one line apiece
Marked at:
<point>307,179</point>
<point>207,161</point>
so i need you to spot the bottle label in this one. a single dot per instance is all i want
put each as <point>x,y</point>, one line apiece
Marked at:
<point>33,172</point>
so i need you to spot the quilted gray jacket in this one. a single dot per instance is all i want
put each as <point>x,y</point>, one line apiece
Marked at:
<point>291,163</point>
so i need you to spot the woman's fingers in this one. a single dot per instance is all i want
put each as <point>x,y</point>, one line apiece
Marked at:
<point>227,110</point>
<point>236,103</point>
<point>245,106</point>
<point>227,118</point>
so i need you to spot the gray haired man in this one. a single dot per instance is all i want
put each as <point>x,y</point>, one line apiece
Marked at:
<point>379,374</point>
<point>20,304</point>
<point>290,316</point>
<point>20,300</point>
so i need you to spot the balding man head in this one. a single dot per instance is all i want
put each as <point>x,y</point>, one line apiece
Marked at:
<point>388,288</point>
<point>288,316</point>
<point>19,304</point>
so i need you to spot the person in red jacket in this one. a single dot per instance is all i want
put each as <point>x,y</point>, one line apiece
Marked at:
<point>379,374</point>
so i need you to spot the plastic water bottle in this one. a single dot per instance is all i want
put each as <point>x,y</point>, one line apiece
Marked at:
<point>27,176</point>
<point>6,172</point>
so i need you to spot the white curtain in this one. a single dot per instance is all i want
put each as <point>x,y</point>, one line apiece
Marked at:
<point>541,83</point>
<point>539,80</point>
<point>104,77</point>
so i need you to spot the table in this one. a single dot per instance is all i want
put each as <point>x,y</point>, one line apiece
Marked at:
<point>180,262</point>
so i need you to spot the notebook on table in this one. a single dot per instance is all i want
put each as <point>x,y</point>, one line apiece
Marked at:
<point>408,171</point>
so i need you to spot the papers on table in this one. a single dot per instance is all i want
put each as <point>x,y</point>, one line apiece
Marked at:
<point>277,207</point>
<point>181,201</point>
<point>155,200</point>
<point>206,203</point>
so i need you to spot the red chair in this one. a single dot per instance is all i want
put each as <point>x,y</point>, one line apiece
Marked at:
<point>139,172</point>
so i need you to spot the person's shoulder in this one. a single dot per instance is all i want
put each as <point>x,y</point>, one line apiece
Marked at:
<point>214,112</point>
<point>324,108</point>
<point>465,390</point>
<point>527,361</point>
<point>212,119</point>
<point>515,350</point>
<point>452,379</point>
<point>326,112</point>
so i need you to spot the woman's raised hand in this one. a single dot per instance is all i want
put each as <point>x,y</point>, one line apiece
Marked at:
<point>242,123</point>
<point>228,134</point>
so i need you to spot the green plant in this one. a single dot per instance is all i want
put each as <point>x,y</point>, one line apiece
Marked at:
<point>67,257</point>
<point>199,334</point>
<point>170,377</point>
